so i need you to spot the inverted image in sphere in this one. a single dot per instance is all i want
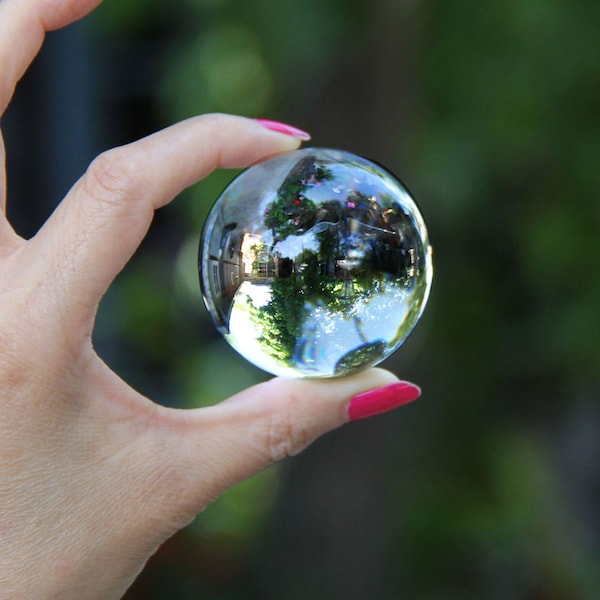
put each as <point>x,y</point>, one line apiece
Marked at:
<point>315,263</point>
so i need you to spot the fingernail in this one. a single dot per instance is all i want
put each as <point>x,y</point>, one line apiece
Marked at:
<point>380,400</point>
<point>284,128</point>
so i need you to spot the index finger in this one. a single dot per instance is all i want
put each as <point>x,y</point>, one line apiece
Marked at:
<point>103,219</point>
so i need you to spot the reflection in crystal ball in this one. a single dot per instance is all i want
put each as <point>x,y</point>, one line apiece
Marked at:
<point>315,263</point>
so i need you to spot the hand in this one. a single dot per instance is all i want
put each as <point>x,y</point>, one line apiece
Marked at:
<point>93,476</point>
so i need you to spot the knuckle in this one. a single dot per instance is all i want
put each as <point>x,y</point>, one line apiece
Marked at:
<point>286,434</point>
<point>112,177</point>
<point>216,120</point>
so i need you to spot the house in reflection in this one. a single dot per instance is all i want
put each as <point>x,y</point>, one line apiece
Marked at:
<point>234,257</point>
<point>222,274</point>
<point>258,259</point>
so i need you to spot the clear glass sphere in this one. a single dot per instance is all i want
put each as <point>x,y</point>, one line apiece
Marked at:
<point>315,263</point>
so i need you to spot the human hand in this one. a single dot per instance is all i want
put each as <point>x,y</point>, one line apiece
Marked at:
<point>93,476</point>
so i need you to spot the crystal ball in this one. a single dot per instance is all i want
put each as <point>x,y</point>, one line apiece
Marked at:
<point>315,263</point>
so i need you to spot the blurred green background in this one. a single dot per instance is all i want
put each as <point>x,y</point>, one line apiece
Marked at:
<point>488,487</point>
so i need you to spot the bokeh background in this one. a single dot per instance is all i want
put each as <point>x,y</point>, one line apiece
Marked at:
<point>488,487</point>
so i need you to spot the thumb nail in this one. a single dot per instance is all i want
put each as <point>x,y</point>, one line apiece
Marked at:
<point>381,400</point>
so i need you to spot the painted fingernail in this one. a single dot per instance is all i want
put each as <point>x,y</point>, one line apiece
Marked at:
<point>380,400</point>
<point>284,128</point>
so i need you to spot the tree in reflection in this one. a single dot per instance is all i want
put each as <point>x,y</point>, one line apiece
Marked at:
<point>280,320</point>
<point>316,281</point>
<point>359,247</point>
<point>293,212</point>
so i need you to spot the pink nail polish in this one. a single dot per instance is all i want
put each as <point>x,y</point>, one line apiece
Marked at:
<point>380,400</point>
<point>284,128</point>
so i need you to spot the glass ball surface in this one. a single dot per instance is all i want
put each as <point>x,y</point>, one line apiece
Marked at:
<point>315,263</point>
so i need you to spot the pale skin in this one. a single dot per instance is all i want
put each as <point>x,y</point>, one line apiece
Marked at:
<point>94,476</point>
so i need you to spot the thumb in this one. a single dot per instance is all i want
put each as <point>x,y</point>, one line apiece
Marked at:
<point>226,443</point>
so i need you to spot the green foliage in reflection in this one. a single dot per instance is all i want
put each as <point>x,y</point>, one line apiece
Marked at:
<point>292,212</point>
<point>346,264</point>
<point>281,319</point>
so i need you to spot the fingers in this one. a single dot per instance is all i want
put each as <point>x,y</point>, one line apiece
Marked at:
<point>103,219</point>
<point>226,443</point>
<point>59,13</point>
<point>21,37</point>
<point>23,24</point>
